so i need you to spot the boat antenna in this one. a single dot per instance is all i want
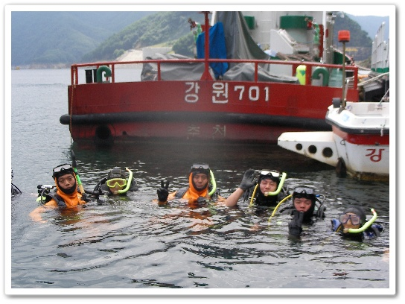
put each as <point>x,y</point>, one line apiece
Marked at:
<point>344,36</point>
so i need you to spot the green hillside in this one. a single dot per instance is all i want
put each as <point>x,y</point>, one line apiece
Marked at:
<point>49,39</point>
<point>360,43</point>
<point>57,37</point>
<point>163,27</point>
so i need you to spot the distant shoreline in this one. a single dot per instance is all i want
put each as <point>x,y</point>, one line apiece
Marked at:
<point>130,55</point>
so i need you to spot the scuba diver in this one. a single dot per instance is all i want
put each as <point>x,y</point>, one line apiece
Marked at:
<point>305,207</point>
<point>352,224</point>
<point>116,183</point>
<point>264,187</point>
<point>14,189</point>
<point>66,195</point>
<point>201,188</point>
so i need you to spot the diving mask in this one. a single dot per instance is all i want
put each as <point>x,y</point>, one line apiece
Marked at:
<point>114,182</point>
<point>200,168</point>
<point>304,192</point>
<point>354,219</point>
<point>62,170</point>
<point>272,173</point>
<point>365,226</point>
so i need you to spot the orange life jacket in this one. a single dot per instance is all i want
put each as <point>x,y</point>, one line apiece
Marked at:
<point>69,200</point>
<point>192,194</point>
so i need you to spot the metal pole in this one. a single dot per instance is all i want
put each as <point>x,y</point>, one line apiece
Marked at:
<point>344,77</point>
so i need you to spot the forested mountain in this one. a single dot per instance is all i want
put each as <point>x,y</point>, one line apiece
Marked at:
<point>55,38</point>
<point>370,24</point>
<point>162,27</point>
<point>362,31</point>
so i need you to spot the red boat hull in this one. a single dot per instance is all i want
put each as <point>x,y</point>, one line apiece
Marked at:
<point>203,109</point>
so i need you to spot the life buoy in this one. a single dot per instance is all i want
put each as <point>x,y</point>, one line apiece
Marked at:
<point>325,75</point>
<point>100,71</point>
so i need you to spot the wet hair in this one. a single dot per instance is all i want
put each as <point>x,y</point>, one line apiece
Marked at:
<point>200,169</point>
<point>274,179</point>
<point>116,172</point>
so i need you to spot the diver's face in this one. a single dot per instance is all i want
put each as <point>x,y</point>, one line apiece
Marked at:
<point>302,204</point>
<point>114,190</point>
<point>200,181</point>
<point>267,185</point>
<point>66,181</point>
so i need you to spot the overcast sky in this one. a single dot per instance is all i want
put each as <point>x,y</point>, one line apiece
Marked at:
<point>366,10</point>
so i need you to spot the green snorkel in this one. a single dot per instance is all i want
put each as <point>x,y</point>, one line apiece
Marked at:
<point>74,165</point>
<point>275,209</point>
<point>280,186</point>
<point>128,183</point>
<point>214,184</point>
<point>364,227</point>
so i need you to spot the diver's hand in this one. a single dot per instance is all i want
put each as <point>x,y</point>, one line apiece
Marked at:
<point>294,227</point>
<point>248,179</point>
<point>163,191</point>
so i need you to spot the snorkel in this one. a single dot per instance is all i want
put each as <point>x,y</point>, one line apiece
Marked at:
<point>364,227</point>
<point>128,183</point>
<point>74,165</point>
<point>214,184</point>
<point>275,209</point>
<point>279,187</point>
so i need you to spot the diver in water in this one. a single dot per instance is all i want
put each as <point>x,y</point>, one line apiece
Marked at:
<point>116,183</point>
<point>264,187</point>
<point>66,195</point>
<point>14,189</point>
<point>201,188</point>
<point>304,209</point>
<point>353,224</point>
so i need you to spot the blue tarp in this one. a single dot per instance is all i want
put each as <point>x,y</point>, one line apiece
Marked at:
<point>217,48</point>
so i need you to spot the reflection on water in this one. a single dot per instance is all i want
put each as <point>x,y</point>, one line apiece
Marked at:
<point>134,243</point>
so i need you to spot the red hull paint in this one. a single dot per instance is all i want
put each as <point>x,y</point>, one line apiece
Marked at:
<point>362,139</point>
<point>247,110</point>
<point>125,132</point>
<point>243,97</point>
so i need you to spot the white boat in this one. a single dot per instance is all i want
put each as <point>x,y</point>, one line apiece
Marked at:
<point>358,144</point>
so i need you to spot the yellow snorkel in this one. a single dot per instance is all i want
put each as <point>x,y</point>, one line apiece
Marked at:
<point>275,209</point>
<point>214,184</point>
<point>364,227</point>
<point>280,186</point>
<point>128,183</point>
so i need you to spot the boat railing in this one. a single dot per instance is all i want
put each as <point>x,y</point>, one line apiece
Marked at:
<point>309,67</point>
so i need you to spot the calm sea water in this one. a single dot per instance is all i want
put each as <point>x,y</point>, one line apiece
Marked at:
<point>133,245</point>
